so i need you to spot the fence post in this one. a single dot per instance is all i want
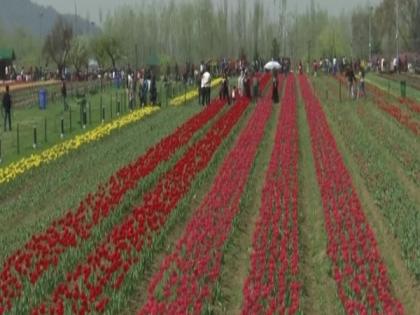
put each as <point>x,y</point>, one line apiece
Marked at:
<point>45,129</point>
<point>124,100</point>
<point>18,139</point>
<point>340,92</point>
<point>1,155</point>
<point>111,106</point>
<point>100,107</point>
<point>103,114</point>
<point>185,93</point>
<point>166,94</point>
<point>90,113</point>
<point>118,106</point>
<point>71,124</point>
<point>84,118</point>
<point>35,139</point>
<point>62,128</point>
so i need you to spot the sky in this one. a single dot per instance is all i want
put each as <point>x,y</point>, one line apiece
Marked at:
<point>90,8</point>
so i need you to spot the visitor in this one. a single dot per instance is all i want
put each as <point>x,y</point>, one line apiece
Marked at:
<point>335,70</point>
<point>275,97</point>
<point>362,91</point>
<point>141,81</point>
<point>64,95</point>
<point>247,85</point>
<point>144,91</point>
<point>198,83</point>
<point>7,106</point>
<point>315,68</point>
<point>351,80</point>
<point>205,88</point>
<point>131,91</point>
<point>153,91</point>
<point>255,87</point>
<point>241,83</point>
<point>234,94</point>
<point>224,92</point>
<point>208,88</point>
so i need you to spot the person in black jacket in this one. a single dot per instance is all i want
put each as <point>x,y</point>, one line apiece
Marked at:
<point>153,91</point>
<point>275,98</point>
<point>7,106</point>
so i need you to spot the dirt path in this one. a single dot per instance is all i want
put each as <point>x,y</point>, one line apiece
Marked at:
<point>319,292</point>
<point>22,86</point>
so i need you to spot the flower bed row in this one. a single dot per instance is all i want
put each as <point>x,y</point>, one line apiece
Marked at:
<point>179,100</point>
<point>43,251</point>
<point>272,285</point>
<point>403,117</point>
<point>358,269</point>
<point>399,146</point>
<point>412,105</point>
<point>90,286</point>
<point>187,277</point>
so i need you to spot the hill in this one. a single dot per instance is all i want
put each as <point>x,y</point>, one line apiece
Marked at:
<point>37,19</point>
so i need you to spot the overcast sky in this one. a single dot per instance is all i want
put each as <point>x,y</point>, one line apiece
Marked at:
<point>91,7</point>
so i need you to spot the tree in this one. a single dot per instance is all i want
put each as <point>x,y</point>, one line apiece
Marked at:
<point>415,27</point>
<point>385,22</point>
<point>258,10</point>
<point>107,46</point>
<point>79,54</point>
<point>360,32</point>
<point>275,49</point>
<point>58,43</point>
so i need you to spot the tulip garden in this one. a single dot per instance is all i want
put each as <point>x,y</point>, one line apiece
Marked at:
<point>309,206</point>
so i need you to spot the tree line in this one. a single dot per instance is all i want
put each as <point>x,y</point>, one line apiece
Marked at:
<point>196,30</point>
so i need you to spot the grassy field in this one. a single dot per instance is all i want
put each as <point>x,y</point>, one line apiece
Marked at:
<point>392,85</point>
<point>106,104</point>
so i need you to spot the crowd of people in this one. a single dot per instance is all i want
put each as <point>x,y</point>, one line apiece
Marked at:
<point>142,84</point>
<point>353,70</point>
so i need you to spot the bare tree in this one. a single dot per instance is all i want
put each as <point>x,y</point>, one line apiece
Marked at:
<point>79,54</point>
<point>58,43</point>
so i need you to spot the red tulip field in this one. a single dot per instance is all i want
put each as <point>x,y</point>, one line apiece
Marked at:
<point>306,206</point>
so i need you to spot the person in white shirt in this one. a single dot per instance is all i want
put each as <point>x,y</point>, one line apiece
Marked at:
<point>241,84</point>
<point>205,87</point>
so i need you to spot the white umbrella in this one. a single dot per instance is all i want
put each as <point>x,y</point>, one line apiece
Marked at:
<point>272,65</point>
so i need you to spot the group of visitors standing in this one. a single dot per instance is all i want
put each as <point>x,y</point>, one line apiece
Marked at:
<point>248,86</point>
<point>355,90</point>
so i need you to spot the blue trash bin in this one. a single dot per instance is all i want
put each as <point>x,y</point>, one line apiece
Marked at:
<point>43,99</point>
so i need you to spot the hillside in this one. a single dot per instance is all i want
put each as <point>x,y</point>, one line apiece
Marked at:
<point>35,18</point>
